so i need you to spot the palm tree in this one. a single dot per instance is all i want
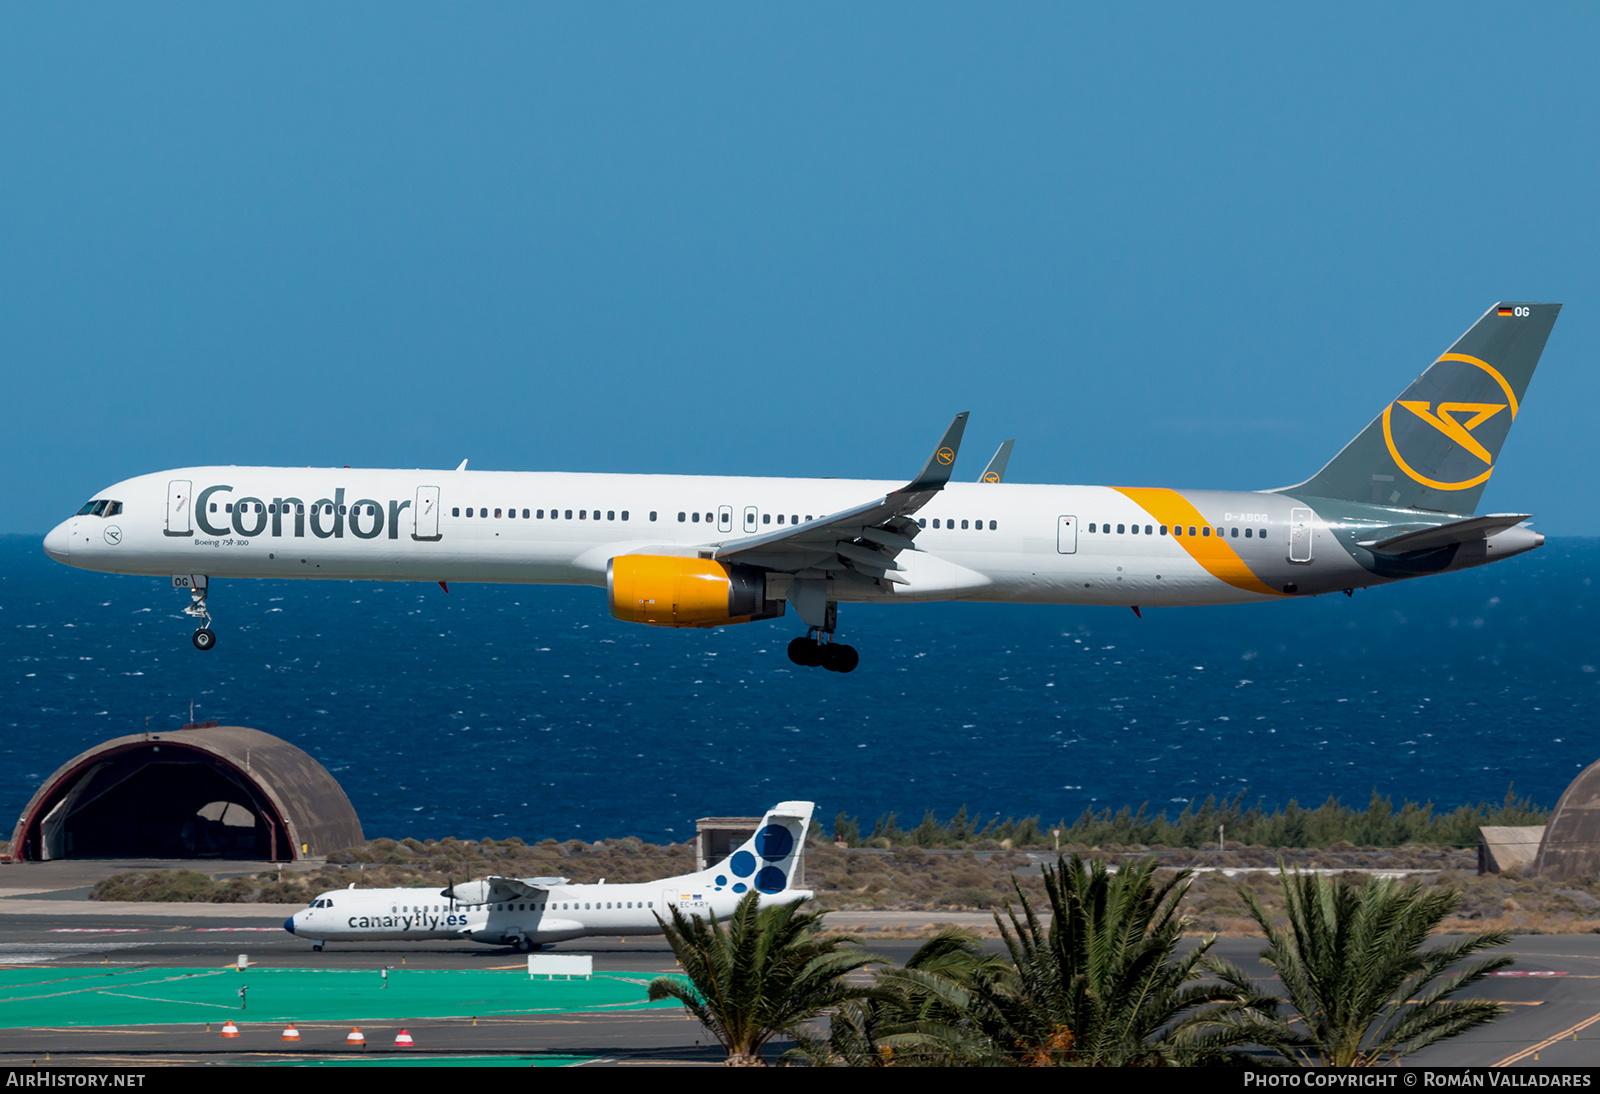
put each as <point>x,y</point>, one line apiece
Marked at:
<point>765,972</point>
<point>1105,983</point>
<point>1352,964</point>
<point>916,1014</point>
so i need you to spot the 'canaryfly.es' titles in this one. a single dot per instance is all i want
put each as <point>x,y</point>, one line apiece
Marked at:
<point>1399,501</point>
<point>525,913</point>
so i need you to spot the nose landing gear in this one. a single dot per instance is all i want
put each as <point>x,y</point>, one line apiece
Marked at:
<point>811,652</point>
<point>205,637</point>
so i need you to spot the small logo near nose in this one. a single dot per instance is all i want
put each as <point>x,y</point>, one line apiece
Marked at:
<point>113,535</point>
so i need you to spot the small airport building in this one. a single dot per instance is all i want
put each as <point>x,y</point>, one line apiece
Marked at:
<point>205,791</point>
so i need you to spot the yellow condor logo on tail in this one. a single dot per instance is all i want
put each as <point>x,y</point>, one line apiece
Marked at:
<point>1456,421</point>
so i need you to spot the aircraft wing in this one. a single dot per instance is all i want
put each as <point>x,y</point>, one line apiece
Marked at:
<point>1460,531</point>
<point>496,890</point>
<point>866,537</point>
<point>996,471</point>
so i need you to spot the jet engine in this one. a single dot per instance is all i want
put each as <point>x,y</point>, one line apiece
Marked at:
<point>666,591</point>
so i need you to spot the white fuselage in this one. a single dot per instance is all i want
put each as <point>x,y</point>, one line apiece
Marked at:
<point>994,542</point>
<point>559,913</point>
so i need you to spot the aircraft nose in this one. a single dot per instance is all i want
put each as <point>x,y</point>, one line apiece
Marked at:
<point>56,543</point>
<point>288,924</point>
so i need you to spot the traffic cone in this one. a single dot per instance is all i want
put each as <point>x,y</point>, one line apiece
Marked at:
<point>403,1040</point>
<point>290,1033</point>
<point>230,1030</point>
<point>355,1038</point>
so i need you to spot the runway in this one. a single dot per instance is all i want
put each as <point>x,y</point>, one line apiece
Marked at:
<point>60,943</point>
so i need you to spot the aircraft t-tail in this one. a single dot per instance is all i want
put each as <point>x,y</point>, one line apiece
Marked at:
<point>526,913</point>
<point>1398,501</point>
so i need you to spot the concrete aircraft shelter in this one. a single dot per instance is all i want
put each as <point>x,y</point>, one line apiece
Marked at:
<point>205,791</point>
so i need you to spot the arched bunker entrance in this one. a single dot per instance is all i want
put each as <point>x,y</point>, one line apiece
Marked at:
<point>204,792</point>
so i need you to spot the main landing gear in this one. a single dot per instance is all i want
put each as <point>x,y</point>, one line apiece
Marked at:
<point>811,652</point>
<point>205,637</point>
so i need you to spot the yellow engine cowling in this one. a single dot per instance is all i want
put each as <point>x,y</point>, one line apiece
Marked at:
<point>666,591</point>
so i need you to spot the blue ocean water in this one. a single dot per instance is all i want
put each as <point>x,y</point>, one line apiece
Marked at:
<point>499,710</point>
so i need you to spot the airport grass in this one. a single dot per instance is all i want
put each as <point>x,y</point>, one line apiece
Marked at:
<point>957,865</point>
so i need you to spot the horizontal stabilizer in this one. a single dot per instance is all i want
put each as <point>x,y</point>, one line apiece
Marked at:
<point>1460,531</point>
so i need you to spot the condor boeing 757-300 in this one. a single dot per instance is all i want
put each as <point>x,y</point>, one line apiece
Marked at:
<point>1398,501</point>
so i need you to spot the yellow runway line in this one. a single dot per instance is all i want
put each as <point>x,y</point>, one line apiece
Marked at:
<point>1546,1043</point>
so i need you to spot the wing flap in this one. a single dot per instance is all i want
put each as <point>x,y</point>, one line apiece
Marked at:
<point>866,537</point>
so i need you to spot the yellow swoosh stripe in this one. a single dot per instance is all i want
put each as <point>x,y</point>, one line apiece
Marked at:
<point>1213,552</point>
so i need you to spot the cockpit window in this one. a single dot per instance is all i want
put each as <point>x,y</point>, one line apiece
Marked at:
<point>100,507</point>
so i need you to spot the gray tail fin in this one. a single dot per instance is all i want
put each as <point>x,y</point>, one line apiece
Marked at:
<point>1435,446</point>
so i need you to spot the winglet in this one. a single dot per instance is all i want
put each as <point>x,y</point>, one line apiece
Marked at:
<point>936,472</point>
<point>996,471</point>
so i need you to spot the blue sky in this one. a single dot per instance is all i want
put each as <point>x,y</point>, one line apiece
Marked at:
<point>1159,244</point>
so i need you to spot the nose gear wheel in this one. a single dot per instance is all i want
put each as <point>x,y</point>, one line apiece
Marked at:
<point>204,638</point>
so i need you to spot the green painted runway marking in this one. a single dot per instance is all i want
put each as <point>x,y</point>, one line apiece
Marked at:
<point>141,995</point>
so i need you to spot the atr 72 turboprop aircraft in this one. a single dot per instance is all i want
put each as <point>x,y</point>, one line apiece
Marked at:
<point>525,913</point>
<point>700,551</point>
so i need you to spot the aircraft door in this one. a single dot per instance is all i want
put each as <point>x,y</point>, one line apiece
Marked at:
<point>1066,535</point>
<point>724,518</point>
<point>426,509</point>
<point>751,517</point>
<point>1301,526</point>
<point>178,492</point>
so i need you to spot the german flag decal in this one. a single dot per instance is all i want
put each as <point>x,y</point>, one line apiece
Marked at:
<point>1503,311</point>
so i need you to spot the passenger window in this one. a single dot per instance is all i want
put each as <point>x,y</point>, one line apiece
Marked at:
<point>611,514</point>
<point>936,522</point>
<point>1177,529</point>
<point>680,518</point>
<point>697,518</point>
<point>1191,530</point>
<point>624,514</point>
<point>766,518</point>
<point>808,517</point>
<point>1132,531</point>
<point>1163,529</point>
<point>993,525</point>
<point>497,514</point>
<point>300,510</point>
<point>1205,531</point>
<point>652,515</point>
<point>963,524</point>
<point>524,514</point>
<point>1119,529</point>
<point>540,513</point>
<point>1091,526</point>
<point>1247,532</point>
<point>569,515</point>
<point>581,515</point>
<point>780,518</point>
<point>1236,533</point>
<point>709,518</point>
